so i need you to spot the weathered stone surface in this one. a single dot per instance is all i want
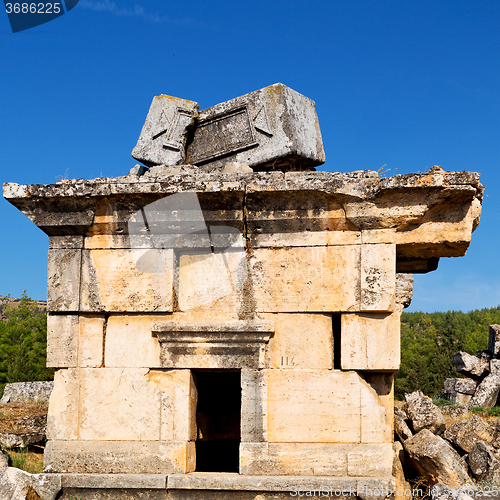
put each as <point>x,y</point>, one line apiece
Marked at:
<point>16,484</point>
<point>254,412</point>
<point>483,463</point>
<point>119,457</point>
<point>20,392</point>
<point>62,340</point>
<point>63,285</point>
<point>301,341</point>
<point>465,386</point>
<point>459,390</point>
<point>466,433</point>
<point>127,331</point>
<point>91,341</point>
<point>494,340</point>
<point>133,481</point>
<point>62,419</point>
<point>334,398</point>
<point>21,440</point>
<point>163,137</point>
<point>270,129</point>
<point>112,282</point>
<point>487,392</point>
<point>437,461</point>
<point>319,459</point>
<point>401,428</point>
<point>423,413</point>
<point>404,289</point>
<point>403,487</point>
<point>370,342</point>
<point>495,367</point>
<point>470,365</point>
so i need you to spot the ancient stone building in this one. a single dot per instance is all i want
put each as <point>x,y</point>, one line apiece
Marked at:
<point>221,331</point>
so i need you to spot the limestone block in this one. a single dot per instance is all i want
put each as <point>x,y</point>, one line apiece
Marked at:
<point>118,404</point>
<point>470,365</point>
<point>483,463</point>
<point>178,404</point>
<point>74,241</point>
<point>377,416</point>
<point>91,341</point>
<point>301,459</point>
<point>466,385</point>
<point>113,281</point>
<point>301,341</point>
<point>129,342</point>
<point>316,459</point>
<point>436,460</point>
<point>378,277</point>
<point>370,342</point>
<point>107,481</point>
<point>401,429</point>
<point>163,136</point>
<point>271,127</point>
<point>62,340</point>
<point>372,460</point>
<point>63,415</point>
<point>486,394</point>
<point>311,279</point>
<point>300,238</point>
<point>212,280</point>
<point>253,425</point>
<point>423,413</point>
<point>313,406</point>
<point>19,392</point>
<point>63,285</point>
<point>466,433</point>
<point>113,494</point>
<point>120,457</point>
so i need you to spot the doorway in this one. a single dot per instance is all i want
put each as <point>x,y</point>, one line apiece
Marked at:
<point>218,417</point>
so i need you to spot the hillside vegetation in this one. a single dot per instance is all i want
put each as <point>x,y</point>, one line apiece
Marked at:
<point>23,342</point>
<point>428,342</point>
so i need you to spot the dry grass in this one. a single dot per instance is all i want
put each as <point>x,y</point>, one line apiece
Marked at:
<point>12,414</point>
<point>29,459</point>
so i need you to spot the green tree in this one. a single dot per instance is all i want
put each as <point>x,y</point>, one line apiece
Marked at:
<point>23,342</point>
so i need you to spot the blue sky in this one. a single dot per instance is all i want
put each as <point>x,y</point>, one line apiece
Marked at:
<point>402,85</point>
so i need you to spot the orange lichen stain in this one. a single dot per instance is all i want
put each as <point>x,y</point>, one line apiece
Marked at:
<point>172,98</point>
<point>161,380</point>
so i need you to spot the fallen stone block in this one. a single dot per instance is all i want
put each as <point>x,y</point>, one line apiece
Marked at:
<point>436,460</point>
<point>22,392</point>
<point>467,433</point>
<point>494,366</point>
<point>470,365</point>
<point>164,134</point>
<point>494,340</point>
<point>483,463</point>
<point>274,128</point>
<point>423,413</point>
<point>20,440</point>
<point>465,386</point>
<point>401,428</point>
<point>487,392</point>
<point>403,487</point>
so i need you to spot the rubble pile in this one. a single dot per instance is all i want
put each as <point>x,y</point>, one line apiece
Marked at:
<point>453,458</point>
<point>482,386</point>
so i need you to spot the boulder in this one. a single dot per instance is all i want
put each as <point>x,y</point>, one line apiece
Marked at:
<point>455,411</point>
<point>495,366</point>
<point>436,460</point>
<point>401,428</point>
<point>470,365</point>
<point>467,433</point>
<point>16,484</point>
<point>459,390</point>
<point>494,340</point>
<point>487,392</point>
<point>22,392</point>
<point>23,424</point>
<point>483,463</point>
<point>423,413</point>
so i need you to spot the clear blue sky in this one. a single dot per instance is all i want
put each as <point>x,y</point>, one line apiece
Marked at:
<point>405,84</point>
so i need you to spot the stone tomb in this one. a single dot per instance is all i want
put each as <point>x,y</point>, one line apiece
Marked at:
<point>233,335</point>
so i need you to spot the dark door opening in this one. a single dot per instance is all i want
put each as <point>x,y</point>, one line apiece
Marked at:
<point>218,417</point>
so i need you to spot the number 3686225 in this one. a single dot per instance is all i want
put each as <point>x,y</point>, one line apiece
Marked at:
<point>33,8</point>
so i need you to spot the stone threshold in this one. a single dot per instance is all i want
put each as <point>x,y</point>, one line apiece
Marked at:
<point>224,481</point>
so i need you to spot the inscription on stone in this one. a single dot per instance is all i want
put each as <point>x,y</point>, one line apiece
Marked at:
<point>222,135</point>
